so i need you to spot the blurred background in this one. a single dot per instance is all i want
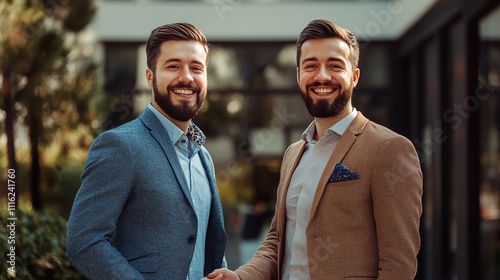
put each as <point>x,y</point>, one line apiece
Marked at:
<point>430,70</point>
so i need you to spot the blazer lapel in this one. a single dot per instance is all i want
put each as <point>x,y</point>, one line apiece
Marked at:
<point>216,212</point>
<point>345,142</point>
<point>292,159</point>
<point>294,155</point>
<point>207,165</point>
<point>161,136</point>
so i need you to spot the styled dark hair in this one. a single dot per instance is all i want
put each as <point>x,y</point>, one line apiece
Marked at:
<point>321,29</point>
<point>176,31</point>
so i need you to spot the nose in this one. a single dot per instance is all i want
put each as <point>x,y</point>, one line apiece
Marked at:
<point>322,75</point>
<point>185,76</point>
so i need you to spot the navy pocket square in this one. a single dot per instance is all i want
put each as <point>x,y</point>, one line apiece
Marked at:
<point>342,173</point>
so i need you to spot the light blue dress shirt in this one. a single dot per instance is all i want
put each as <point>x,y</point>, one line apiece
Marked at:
<point>300,194</point>
<point>187,147</point>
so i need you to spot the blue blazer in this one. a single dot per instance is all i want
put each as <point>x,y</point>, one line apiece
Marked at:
<point>133,217</point>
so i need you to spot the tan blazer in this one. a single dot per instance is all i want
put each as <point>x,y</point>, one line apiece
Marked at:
<point>367,228</point>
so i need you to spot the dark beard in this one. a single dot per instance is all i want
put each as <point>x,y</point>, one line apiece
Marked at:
<point>182,112</point>
<point>323,109</point>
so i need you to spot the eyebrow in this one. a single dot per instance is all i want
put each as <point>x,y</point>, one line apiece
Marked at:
<point>178,60</point>
<point>314,59</point>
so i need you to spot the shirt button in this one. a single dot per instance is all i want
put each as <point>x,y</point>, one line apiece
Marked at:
<point>183,141</point>
<point>191,238</point>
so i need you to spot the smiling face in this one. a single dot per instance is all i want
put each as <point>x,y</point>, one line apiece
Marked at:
<point>326,77</point>
<point>179,80</point>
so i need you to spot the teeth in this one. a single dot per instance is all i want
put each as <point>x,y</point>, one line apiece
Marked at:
<point>323,90</point>
<point>185,92</point>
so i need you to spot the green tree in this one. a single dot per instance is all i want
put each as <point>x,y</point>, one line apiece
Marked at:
<point>43,75</point>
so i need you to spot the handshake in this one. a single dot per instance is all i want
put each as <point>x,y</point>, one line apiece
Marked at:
<point>222,274</point>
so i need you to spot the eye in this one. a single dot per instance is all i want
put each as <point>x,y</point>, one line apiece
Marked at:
<point>172,66</point>
<point>310,66</point>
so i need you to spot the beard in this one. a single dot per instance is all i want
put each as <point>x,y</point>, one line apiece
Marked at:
<point>182,112</point>
<point>324,109</point>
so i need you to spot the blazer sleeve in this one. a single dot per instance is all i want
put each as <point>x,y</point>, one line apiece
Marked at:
<point>106,184</point>
<point>397,206</point>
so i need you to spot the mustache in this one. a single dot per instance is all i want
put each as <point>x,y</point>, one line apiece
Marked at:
<point>184,86</point>
<point>327,84</point>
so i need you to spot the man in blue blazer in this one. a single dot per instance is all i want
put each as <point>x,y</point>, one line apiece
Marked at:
<point>148,206</point>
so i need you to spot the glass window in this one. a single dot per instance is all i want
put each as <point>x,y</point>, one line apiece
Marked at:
<point>120,82</point>
<point>374,65</point>
<point>252,66</point>
<point>252,113</point>
<point>487,93</point>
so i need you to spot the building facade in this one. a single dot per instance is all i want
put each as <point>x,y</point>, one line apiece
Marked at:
<point>430,70</point>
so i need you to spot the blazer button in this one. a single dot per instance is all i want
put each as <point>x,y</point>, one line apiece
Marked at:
<point>191,238</point>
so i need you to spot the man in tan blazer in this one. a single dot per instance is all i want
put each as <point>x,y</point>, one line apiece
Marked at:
<point>349,197</point>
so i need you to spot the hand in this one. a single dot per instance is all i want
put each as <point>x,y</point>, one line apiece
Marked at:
<point>222,274</point>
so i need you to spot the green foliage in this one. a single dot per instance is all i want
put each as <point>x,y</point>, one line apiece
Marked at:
<point>52,88</point>
<point>66,182</point>
<point>76,19</point>
<point>19,23</point>
<point>40,246</point>
<point>54,83</point>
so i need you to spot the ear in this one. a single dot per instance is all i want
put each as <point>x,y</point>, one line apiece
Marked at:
<point>298,76</point>
<point>149,77</point>
<point>355,77</point>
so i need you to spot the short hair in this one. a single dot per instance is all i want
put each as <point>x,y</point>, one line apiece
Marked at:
<point>321,29</point>
<point>181,31</point>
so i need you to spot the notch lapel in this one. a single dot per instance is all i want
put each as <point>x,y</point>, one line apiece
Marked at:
<point>208,168</point>
<point>294,154</point>
<point>216,208</point>
<point>345,142</point>
<point>161,136</point>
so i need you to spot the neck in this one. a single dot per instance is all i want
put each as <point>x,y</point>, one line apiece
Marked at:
<point>181,125</point>
<point>322,124</point>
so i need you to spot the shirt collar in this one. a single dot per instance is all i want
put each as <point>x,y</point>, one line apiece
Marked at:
<point>337,129</point>
<point>194,134</point>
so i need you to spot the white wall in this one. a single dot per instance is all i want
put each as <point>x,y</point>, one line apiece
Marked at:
<point>240,20</point>
<point>490,26</point>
